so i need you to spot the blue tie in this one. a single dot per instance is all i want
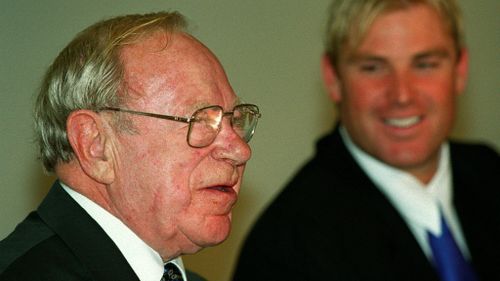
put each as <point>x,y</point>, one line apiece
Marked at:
<point>172,273</point>
<point>448,259</point>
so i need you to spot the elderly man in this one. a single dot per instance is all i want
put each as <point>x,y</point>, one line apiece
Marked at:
<point>131,119</point>
<point>387,196</point>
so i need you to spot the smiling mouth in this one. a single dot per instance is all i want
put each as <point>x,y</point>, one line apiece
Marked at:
<point>403,122</point>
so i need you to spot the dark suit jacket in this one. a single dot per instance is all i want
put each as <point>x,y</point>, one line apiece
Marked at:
<point>60,241</point>
<point>332,223</point>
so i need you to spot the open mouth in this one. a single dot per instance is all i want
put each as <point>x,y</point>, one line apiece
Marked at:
<point>225,189</point>
<point>221,198</point>
<point>403,122</point>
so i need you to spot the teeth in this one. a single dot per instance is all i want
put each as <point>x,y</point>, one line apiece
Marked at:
<point>402,122</point>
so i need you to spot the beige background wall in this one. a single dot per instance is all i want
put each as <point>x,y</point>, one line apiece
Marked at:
<point>271,51</point>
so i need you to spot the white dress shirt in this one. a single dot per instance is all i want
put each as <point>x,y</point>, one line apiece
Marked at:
<point>417,203</point>
<point>146,262</point>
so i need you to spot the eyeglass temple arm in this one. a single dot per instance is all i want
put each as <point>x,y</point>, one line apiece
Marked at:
<point>161,116</point>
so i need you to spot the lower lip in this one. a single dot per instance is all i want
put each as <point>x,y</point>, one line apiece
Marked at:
<point>226,197</point>
<point>401,133</point>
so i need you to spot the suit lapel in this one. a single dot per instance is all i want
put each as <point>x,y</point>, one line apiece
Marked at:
<point>476,198</point>
<point>84,237</point>
<point>382,228</point>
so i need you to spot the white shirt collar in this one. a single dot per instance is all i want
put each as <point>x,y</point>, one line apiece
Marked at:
<point>146,262</point>
<point>417,203</point>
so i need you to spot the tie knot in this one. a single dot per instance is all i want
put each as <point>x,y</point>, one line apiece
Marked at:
<point>172,272</point>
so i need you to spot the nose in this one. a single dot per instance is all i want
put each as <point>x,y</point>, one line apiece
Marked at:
<point>401,91</point>
<point>230,147</point>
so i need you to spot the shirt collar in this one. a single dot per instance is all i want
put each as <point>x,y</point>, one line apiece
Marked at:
<point>416,202</point>
<point>146,262</point>
<point>178,261</point>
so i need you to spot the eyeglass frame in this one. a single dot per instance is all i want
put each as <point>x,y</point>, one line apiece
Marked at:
<point>189,120</point>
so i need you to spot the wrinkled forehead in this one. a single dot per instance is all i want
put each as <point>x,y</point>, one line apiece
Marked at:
<point>175,66</point>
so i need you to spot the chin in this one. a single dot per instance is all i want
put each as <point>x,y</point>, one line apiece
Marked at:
<point>211,232</point>
<point>217,233</point>
<point>414,163</point>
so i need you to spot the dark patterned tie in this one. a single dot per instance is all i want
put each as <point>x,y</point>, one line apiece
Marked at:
<point>448,259</point>
<point>171,272</point>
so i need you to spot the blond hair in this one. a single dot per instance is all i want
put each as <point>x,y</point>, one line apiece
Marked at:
<point>349,20</point>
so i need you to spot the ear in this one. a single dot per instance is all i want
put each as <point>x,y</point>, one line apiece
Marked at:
<point>88,138</point>
<point>462,71</point>
<point>331,79</point>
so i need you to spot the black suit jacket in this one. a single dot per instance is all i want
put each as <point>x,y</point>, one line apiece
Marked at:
<point>332,223</point>
<point>60,241</point>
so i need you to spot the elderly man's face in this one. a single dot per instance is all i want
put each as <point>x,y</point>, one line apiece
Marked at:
<point>175,197</point>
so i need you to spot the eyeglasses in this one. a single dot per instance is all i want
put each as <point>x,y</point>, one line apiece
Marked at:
<point>205,123</point>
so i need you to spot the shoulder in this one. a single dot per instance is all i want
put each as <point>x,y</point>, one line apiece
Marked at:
<point>475,157</point>
<point>473,151</point>
<point>33,250</point>
<point>27,235</point>
<point>328,186</point>
<point>325,182</point>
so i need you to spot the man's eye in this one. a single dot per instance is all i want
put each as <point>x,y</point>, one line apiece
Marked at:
<point>427,65</point>
<point>370,67</point>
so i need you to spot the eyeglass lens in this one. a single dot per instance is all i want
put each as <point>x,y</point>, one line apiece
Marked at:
<point>207,122</point>
<point>205,126</point>
<point>244,120</point>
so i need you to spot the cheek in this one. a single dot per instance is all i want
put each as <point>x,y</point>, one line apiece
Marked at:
<point>197,167</point>
<point>181,174</point>
<point>174,187</point>
<point>156,172</point>
<point>361,92</point>
<point>161,174</point>
<point>358,100</point>
<point>440,94</point>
